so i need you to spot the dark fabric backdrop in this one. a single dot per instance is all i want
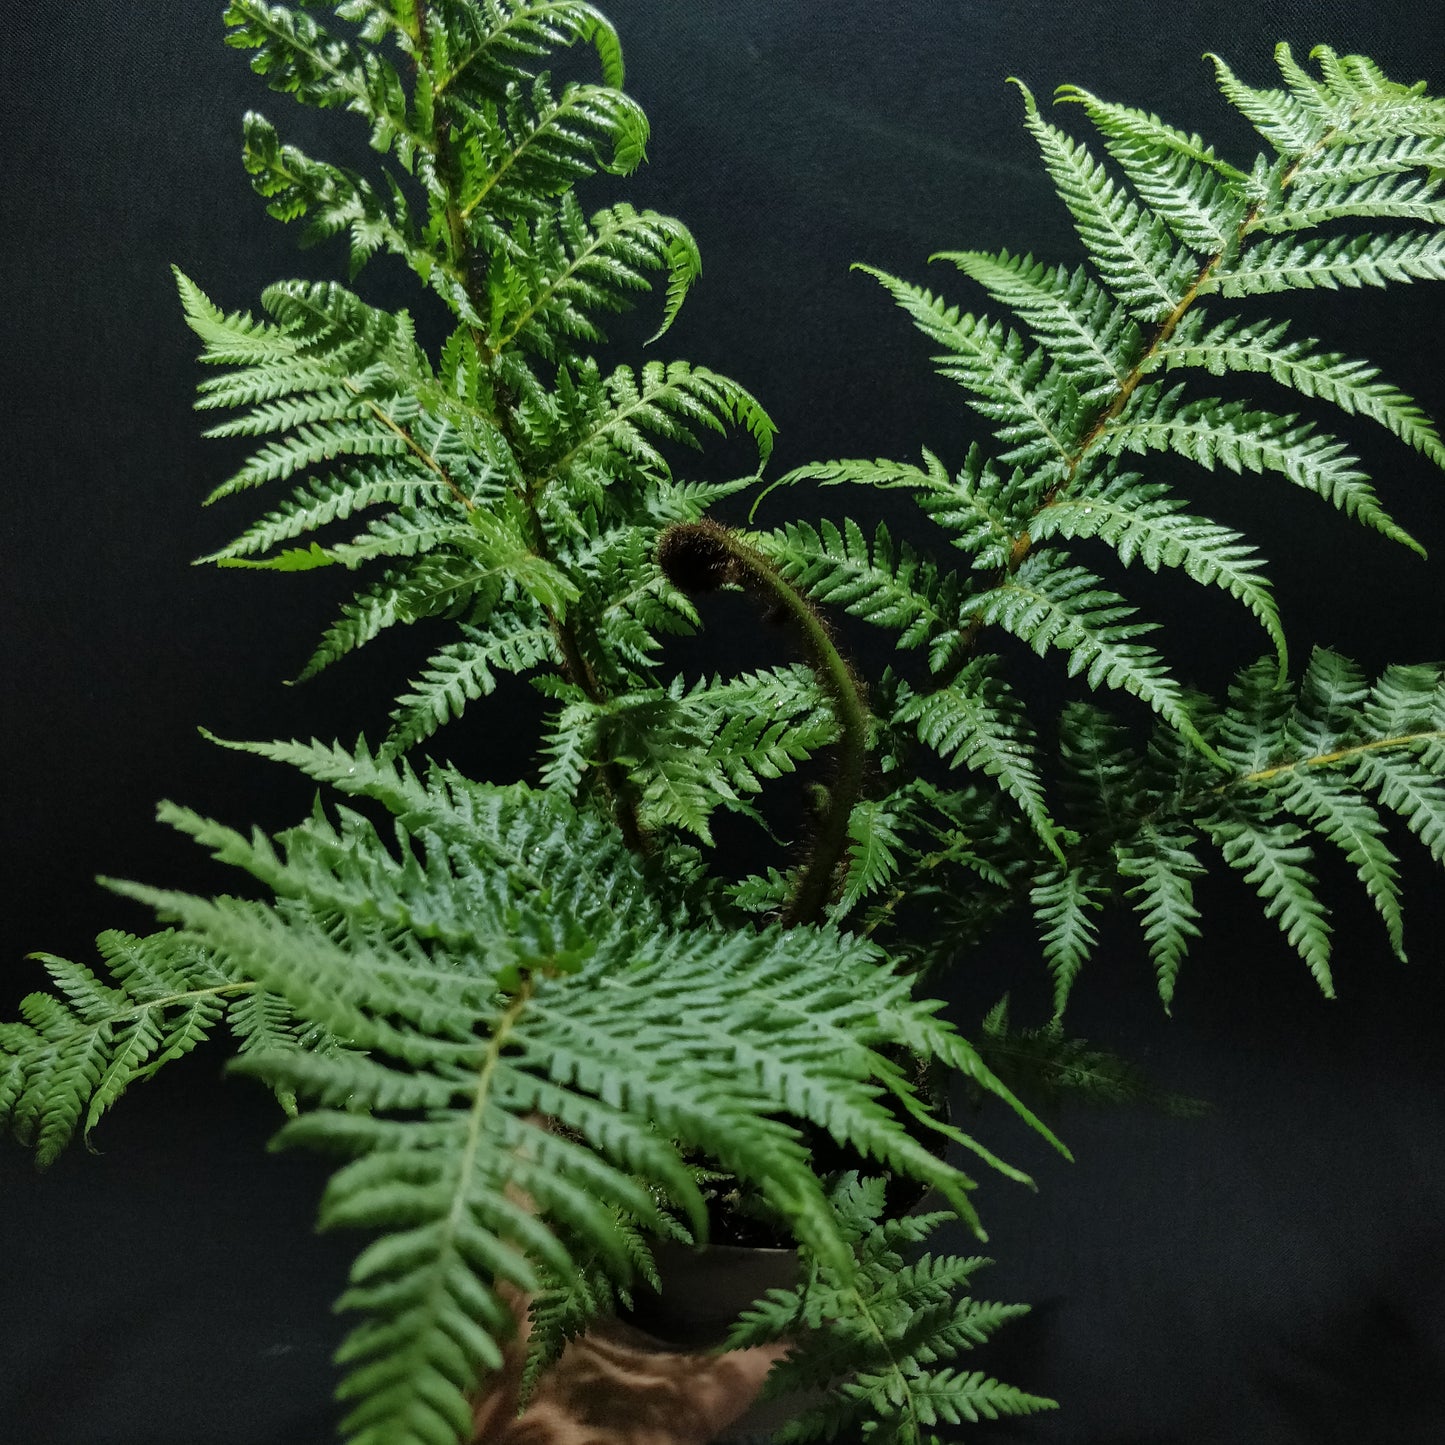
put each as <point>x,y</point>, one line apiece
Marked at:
<point>1273,1273</point>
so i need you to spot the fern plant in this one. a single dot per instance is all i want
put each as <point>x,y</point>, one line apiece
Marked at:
<point>538,1019</point>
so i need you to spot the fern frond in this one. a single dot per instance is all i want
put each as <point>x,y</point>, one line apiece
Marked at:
<point>1337,812</point>
<point>617,418</point>
<point>1062,900</point>
<point>534,994</point>
<point>1071,316</point>
<point>73,1056</point>
<point>1040,413</point>
<point>1230,434</point>
<point>483,50</point>
<point>332,199</point>
<point>1328,263</point>
<point>297,56</point>
<point>1290,126</point>
<point>1198,194</point>
<point>1136,256</point>
<point>1273,859</point>
<point>886,584</point>
<point>873,853</point>
<point>1389,197</point>
<point>1143,523</point>
<point>464,671</point>
<point>320,501</point>
<point>976,721</point>
<point>1162,868</point>
<point>1414,791</point>
<point>1265,347</point>
<point>436,586</point>
<point>882,1340</point>
<point>570,266</point>
<point>1356,163</point>
<point>532,144</point>
<point>1048,604</point>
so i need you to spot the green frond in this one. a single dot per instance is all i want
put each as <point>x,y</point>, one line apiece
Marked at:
<point>1232,435</point>
<point>435,586</point>
<point>320,501</point>
<point>1143,523</point>
<point>1407,700</point>
<point>1389,197</point>
<point>976,721</point>
<point>1290,127</point>
<point>1062,901</point>
<point>569,744</point>
<point>464,671</point>
<point>1201,198</point>
<point>532,144</point>
<point>71,1057</point>
<point>331,199</point>
<point>881,1341</point>
<point>883,474</point>
<point>483,49</point>
<point>297,56</point>
<point>1266,347</point>
<point>1136,134</point>
<point>1040,413</point>
<point>1273,859</point>
<point>873,849</point>
<point>760,725</point>
<point>886,584</point>
<point>1161,867</point>
<point>1411,789</point>
<point>986,510</point>
<point>1325,715</point>
<point>1045,1062</point>
<point>234,340</point>
<point>617,418</point>
<point>488,982</point>
<point>1355,163</point>
<point>1336,811</point>
<point>1286,264</point>
<point>317,442</point>
<point>1070,315</point>
<point>1048,604</point>
<point>1136,256</point>
<point>1251,731</point>
<point>1100,769</point>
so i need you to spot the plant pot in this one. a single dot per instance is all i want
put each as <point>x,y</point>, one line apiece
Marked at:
<point>703,1293</point>
<point>649,1369</point>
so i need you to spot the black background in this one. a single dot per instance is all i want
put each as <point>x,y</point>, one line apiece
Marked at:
<point>1274,1272</point>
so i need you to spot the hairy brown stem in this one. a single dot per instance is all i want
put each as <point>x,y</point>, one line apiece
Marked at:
<point>700,556</point>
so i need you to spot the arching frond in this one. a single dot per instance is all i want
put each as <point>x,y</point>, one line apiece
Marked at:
<point>482,999</point>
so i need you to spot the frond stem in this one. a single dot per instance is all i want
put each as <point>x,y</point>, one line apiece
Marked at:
<point>481,1095</point>
<point>1325,760</point>
<point>709,555</point>
<point>413,446</point>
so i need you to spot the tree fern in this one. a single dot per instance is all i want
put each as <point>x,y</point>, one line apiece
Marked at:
<point>539,1025</point>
